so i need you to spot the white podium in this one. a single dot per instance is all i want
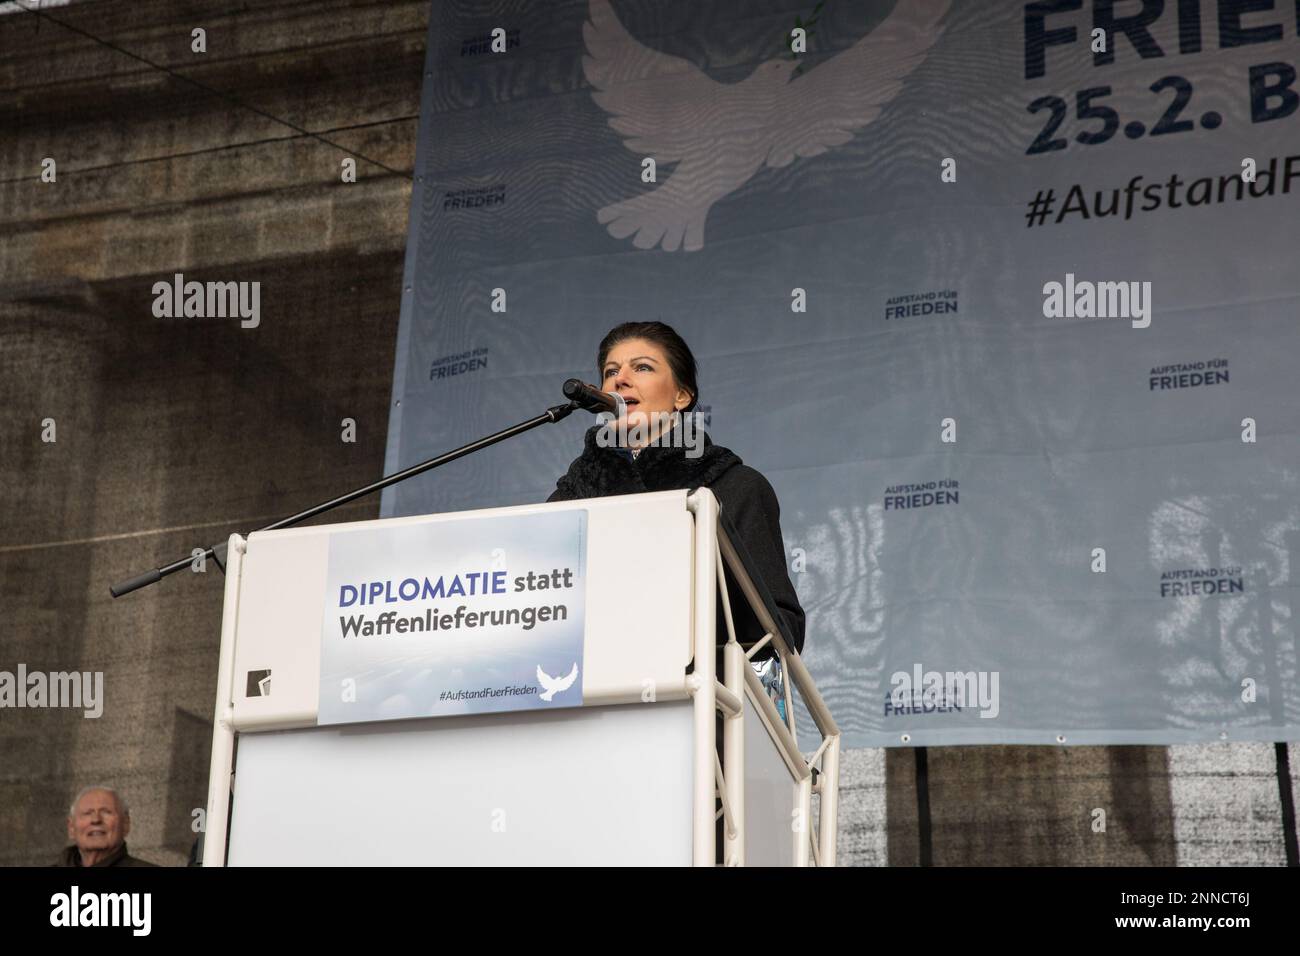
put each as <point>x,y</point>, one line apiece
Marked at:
<point>635,775</point>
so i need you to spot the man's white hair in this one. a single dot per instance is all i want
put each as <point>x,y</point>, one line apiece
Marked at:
<point>121,800</point>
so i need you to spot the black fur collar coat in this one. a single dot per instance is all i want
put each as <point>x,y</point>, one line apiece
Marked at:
<point>749,507</point>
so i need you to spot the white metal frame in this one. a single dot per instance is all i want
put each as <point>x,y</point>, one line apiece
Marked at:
<point>723,783</point>
<point>719,785</point>
<point>221,778</point>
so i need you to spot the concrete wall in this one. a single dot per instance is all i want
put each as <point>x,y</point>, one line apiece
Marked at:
<point>171,433</point>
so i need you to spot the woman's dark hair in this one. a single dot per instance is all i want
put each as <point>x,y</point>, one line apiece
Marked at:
<point>680,360</point>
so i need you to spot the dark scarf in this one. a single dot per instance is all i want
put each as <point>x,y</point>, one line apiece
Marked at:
<point>72,857</point>
<point>612,471</point>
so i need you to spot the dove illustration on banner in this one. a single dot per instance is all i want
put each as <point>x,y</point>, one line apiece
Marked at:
<point>720,134</point>
<point>554,685</point>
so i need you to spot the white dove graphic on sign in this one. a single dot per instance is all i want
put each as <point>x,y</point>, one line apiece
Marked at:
<point>554,685</point>
<point>721,134</point>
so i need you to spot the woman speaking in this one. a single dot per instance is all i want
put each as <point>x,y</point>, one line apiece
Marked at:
<point>650,367</point>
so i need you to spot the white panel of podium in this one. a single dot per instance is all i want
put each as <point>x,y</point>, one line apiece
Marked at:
<point>585,786</point>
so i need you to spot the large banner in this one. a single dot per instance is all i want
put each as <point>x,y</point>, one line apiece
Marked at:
<point>1000,296</point>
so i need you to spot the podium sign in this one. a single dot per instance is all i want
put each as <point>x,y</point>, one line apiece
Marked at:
<point>470,616</point>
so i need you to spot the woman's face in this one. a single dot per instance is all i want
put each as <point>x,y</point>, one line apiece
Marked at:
<point>637,371</point>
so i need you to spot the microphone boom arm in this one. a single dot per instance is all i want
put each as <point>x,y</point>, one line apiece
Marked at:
<point>552,415</point>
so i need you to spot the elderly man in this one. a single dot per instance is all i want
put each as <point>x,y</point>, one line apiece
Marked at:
<point>98,823</point>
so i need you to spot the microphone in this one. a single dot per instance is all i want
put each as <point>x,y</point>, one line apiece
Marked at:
<point>593,399</point>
